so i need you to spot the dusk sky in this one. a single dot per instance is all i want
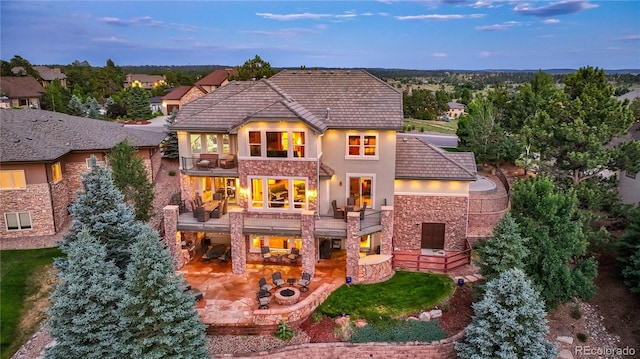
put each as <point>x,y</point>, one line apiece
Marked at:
<point>428,35</point>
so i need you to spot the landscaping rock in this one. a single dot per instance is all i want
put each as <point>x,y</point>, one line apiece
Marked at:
<point>361,323</point>
<point>435,313</point>
<point>565,354</point>
<point>412,318</point>
<point>342,320</point>
<point>425,317</point>
<point>565,340</point>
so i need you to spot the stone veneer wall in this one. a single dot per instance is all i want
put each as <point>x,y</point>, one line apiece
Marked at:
<point>376,273</point>
<point>412,209</point>
<point>170,239</point>
<point>442,349</point>
<point>34,199</point>
<point>296,313</point>
<point>61,199</point>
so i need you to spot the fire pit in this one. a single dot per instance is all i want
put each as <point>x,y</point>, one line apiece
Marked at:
<point>287,296</point>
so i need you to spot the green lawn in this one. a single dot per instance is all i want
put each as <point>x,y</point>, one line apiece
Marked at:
<point>19,272</point>
<point>432,126</point>
<point>404,293</point>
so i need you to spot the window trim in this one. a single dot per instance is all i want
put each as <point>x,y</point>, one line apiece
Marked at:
<point>11,177</point>
<point>264,240</point>
<point>18,220</point>
<point>265,191</point>
<point>291,152</point>
<point>361,151</point>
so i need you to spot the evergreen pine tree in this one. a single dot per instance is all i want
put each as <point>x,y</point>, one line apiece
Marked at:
<point>131,178</point>
<point>92,107</point>
<point>508,322</point>
<point>170,143</point>
<point>504,250</point>
<point>75,106</point>
<point>100,208</point>
<point>138,104</point>
<point>84,304</point>
<point>630,253</point>
<point>160,316</point>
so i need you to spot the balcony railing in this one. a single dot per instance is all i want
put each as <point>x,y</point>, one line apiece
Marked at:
<point>207,165</point>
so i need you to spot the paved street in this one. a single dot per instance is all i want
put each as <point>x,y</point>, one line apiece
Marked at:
<point>440,140</point>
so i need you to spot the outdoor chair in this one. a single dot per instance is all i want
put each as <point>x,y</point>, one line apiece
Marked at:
<point>266,253</point>
<point>264,285</point>
<point>224,258</point>
<point>304,282</point>
<point>364,206</point>
<point>277,279</point>
<point>337,212</point>
<point>351,201</point>
<point>293,256</point>
<point>263,300</point>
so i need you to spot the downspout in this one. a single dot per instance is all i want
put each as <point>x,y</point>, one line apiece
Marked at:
<point>53,209</point>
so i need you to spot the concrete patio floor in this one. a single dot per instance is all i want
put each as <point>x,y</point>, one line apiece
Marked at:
<point>230,299</point>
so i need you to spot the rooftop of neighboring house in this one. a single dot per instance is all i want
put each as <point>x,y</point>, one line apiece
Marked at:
<point>20,87</point>
<point>323,99</point>
<point>178,92</point>
<point>144,78</point>
<point>217,77</point>
<point>49,74</point>
<point>456,106</point>
<point>38,135</point>
<point>418,159</point>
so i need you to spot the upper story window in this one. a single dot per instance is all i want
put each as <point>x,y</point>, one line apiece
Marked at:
<point>277,144</point>
<point>210,143</point>
<point>363,146</point>
<point>13,179</point>
<point>17,221</point>
<point>56,172</point>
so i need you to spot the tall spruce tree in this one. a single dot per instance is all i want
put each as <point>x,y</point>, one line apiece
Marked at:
<point>169,145</point>
<point>508,322</point>
<point>138,104</point>
<point>84,304</point>
<point>160,316</point>
<point>131,178</point>
<point>99,207</point>
<point>556,262</point>
<point>505,249</point>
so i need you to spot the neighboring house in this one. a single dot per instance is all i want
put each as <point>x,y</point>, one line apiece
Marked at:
<point>216,79</point>
<point>455,110</point>
<point>147,82</point>
<point>156,104</point>
<point>629,183</point>
<point>42,157</point>
<point>49,75</point>
<point>23,91</point>
<point>284,149</point>
<point>179,96</point>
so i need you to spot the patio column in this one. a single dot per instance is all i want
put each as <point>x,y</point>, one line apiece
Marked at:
<point>171,239</point>
<point>386,220</point>
<point>238,243</point>
<point>352,244</point>
<point>309,248</point>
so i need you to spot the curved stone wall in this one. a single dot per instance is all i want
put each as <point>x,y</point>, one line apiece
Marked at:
<point>375,268</point>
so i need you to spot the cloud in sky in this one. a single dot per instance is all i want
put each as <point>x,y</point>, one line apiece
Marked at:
<point>554,9</point>
<point>144,20</point>
<point>551,21</point>
<point>439,17</point>
<point>301,16</point>
<point>285,33</point>
<point>439,54</point>
<point>629,38</point>
<point>498,27</point>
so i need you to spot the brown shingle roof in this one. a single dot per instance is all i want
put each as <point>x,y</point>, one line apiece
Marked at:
<point>49,74</point>
<point>177,93</point>
<point>324,99</point>
<point>416,159</point>
<point>20,87</point>
<point>37,135</point>
<point>217,77</point>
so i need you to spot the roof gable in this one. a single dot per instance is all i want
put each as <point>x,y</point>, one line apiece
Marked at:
<point>38,135</point>
<point>217,77</point>
<point>20,87</point>
<point>417,159</point>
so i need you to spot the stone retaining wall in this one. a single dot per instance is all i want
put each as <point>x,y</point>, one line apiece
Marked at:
<point>293,313</point>
<point>443,349</point>
<point>376,272</point>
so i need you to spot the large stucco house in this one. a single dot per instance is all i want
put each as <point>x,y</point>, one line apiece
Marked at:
<point>278,153</point>
<point>43,155</point>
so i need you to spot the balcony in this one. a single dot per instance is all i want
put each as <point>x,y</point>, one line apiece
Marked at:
<point>210,165</point>
<point>325,226</point>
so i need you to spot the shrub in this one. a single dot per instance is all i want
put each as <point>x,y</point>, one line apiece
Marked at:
<point>316,317</point>
<point>399,331</point>
<point>581,337</point>
<point>283,332</point>
<point>576,313</point>
<point>172,173</point>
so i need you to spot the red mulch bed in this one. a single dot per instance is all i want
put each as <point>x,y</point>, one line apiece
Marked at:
<point>455,317</point>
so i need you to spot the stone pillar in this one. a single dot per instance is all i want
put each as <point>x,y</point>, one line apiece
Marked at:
<point>352,244</point>
<point>386,220</point>
<point>309,249</point>
<point>238,242</point>
<point>171,239</point>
